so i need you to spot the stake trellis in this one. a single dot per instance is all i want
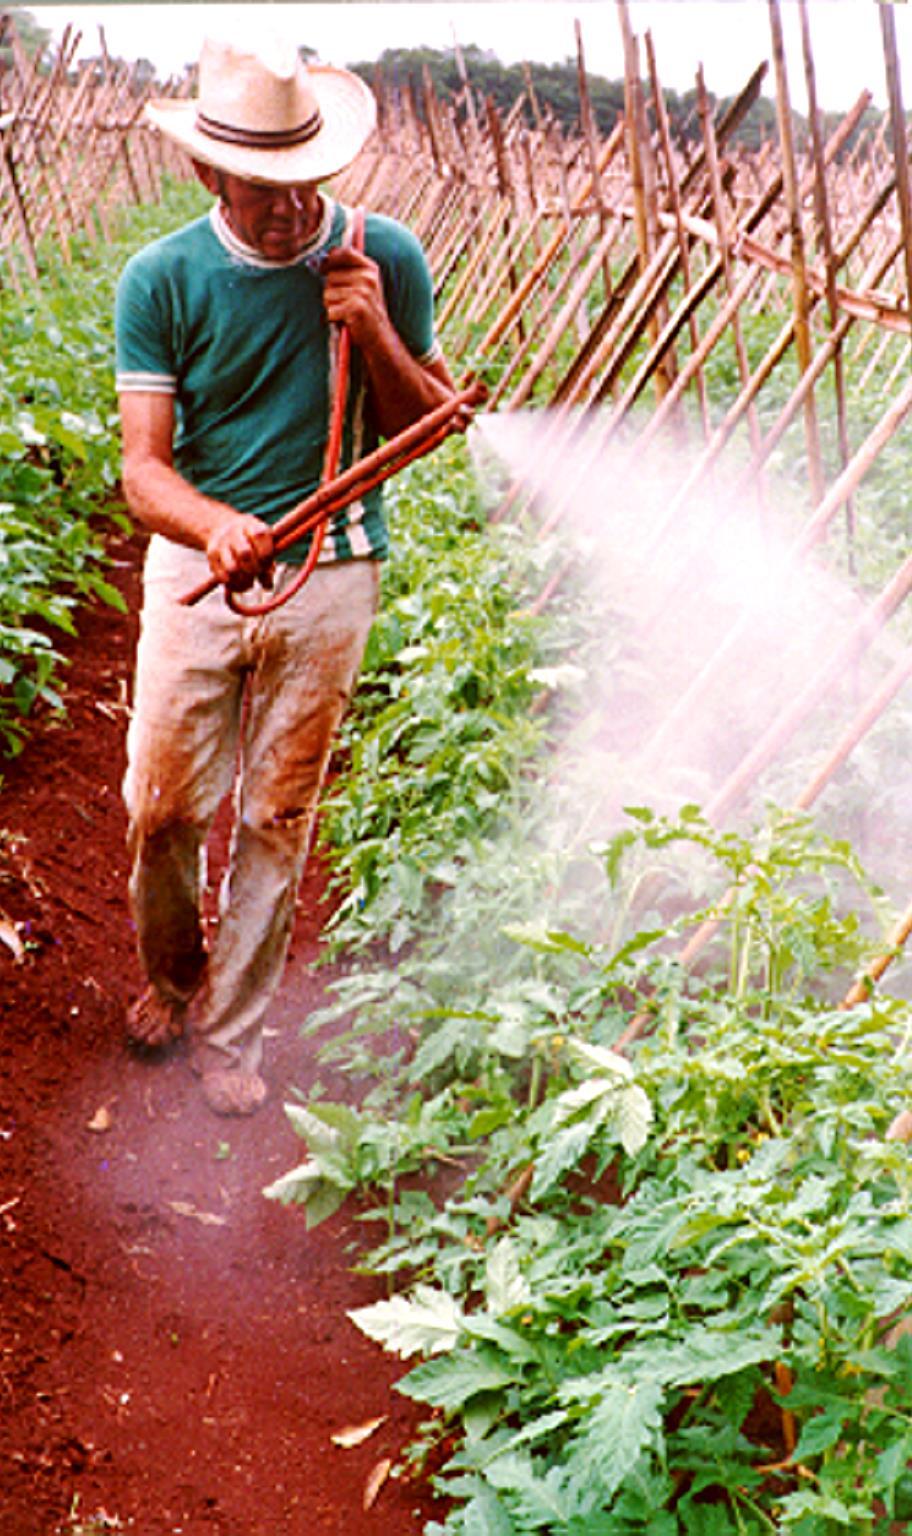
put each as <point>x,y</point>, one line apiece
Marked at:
<point>593,276</point>
<point>73,149</point>
<point>821,241</point>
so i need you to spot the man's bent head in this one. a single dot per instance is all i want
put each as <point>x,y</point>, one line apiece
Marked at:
<point>276,221</point>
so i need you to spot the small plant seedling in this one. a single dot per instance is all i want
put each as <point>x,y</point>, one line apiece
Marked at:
<point>91,1525</point>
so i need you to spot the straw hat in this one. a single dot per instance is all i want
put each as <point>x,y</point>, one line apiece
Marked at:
<point>261,113</point>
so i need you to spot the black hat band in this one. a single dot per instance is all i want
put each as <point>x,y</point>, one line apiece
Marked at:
<point>260,138</point>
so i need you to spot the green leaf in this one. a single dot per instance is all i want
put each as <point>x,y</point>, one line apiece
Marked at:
<point>297,1185</point>
<point>505,1287</point>
<point>308,1185</point>
<point>451,1380</point>
<point>545,1502</point>
<point>626,1423</point>
<point>708,1354</point>
<point>634,1118</point>
<point>561,1151</point>
<point>428,1322</point>
<point>823,1506</point>
<point>327,1129</point>
<point>545,941</point>
<point>438,1046</point>
<point>484,1515</point>
<point>819,1433</point>
<point>598,1058</point>
<point>109,594</point>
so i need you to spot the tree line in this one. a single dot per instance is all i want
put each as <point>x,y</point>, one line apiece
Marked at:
<point>556,92</point>
<point>555,88</point>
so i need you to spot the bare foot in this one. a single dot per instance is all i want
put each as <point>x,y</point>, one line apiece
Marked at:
<point>153,1020</point>
<point>231,1091</point>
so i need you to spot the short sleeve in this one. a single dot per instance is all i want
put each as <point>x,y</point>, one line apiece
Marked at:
<point>143,331</point>
<point>407,283</point>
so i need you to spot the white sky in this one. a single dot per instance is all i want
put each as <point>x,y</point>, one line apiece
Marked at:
<point>729,37</point>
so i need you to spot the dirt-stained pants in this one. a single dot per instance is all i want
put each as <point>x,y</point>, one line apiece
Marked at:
<point>220,699</point>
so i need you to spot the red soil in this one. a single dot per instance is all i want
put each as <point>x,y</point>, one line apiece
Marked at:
<point>175,1353</point>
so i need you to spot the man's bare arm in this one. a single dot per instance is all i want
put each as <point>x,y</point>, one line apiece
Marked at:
<point>236,544</point>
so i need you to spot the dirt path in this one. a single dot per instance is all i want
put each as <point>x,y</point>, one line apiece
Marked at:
<point>174,1353</point>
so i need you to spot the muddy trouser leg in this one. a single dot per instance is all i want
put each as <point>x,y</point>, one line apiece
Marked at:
<point>181,748</point>
<point>305,659</point>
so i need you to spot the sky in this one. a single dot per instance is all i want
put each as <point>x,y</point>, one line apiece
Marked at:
<point>728,37</point>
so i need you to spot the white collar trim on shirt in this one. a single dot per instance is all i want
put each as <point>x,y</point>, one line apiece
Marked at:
<point>246,253</point>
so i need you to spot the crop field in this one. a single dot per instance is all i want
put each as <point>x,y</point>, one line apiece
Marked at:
<point>614,1050</point>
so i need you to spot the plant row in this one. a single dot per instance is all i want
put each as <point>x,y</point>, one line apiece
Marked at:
<point>59,458</point>
<point>648,1287</point>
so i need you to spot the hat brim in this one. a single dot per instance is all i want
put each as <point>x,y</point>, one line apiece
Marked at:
<point>349,114</point>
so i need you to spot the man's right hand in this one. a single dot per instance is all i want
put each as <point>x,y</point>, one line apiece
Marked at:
<point>240,550</point>
<point>239,547</point>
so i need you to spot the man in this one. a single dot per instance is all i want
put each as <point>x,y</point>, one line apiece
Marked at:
<point>225,339</point>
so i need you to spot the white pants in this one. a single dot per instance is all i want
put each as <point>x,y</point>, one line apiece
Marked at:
<point>222,700</point>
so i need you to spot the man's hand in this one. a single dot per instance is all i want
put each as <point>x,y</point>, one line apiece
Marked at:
<point>353,296</point>
<point>239,550</point>
<point>402,389</point>
<point>239,547</point>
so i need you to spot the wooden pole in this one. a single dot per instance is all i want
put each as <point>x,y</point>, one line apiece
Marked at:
<point>859,638</point>
<point>900,146</point>
<point>825,235</point>
<point>548,346</point>
<point>813,530</point>
<point>674,194</point>
<point>724,242</point>
<point>799,276</point>
<point>546,257</point>
<point>632,119</point>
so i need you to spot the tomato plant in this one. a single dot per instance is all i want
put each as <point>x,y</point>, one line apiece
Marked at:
<point>59,457</point>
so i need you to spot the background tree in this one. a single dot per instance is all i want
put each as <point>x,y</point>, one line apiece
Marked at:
<point>34,38</point>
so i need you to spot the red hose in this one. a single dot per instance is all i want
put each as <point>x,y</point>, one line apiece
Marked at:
<point>331,496</point>
<point>330,461</point>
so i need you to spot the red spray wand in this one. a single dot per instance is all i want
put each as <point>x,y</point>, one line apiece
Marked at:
<point>330,497</point>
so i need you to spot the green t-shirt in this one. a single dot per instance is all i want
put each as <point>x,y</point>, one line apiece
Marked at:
<point>243,345</point>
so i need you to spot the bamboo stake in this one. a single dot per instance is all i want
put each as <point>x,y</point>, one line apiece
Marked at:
<point>8,170</point>
<point>826,242</point>
<point>674,192</point>
<point>811,533</point>
<point>632,123</point>
<point>793,405</point>
<point>657,422</point>
<point>501,274</point>
<point>36,167</point>
<point>544,353</point>
<point>661,415</point>
<point>799,274</point>
<point>899,368</point>
<point>783,728</point>
<point>587,363</point>
<point>587,119</point>
<point>864,721</point>
<point>875,360</point>
<point>642,174</point>
<point>491,221</point>
<point>818,364</point>
<point>860,990</point>
<point>900,147</point>
<point>547,256</point>
<point>724,243</point>
<point>582,327</point>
